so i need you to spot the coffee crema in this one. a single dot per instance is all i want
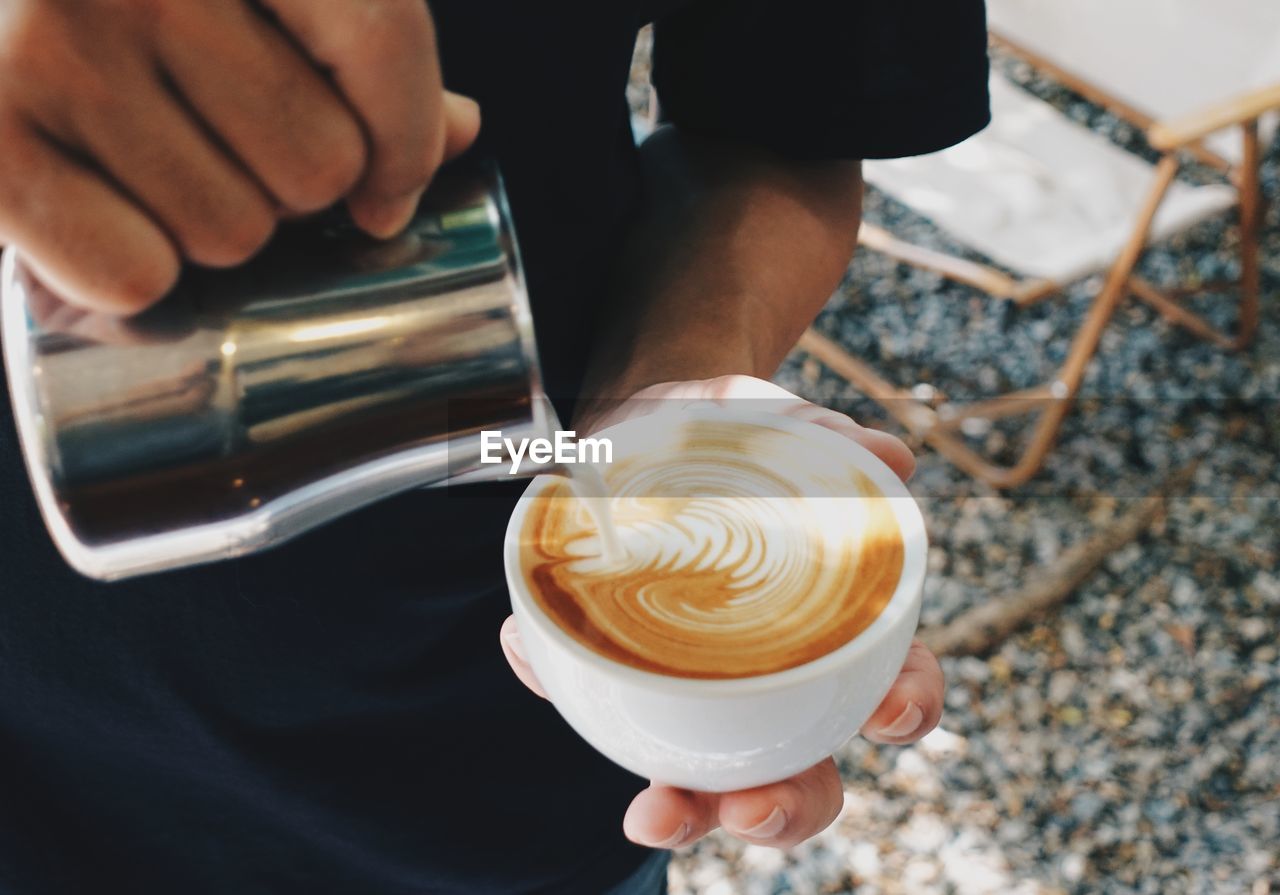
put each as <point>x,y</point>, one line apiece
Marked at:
<point>749,550</point>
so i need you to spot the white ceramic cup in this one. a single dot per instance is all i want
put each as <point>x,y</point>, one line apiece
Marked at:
<point>720,735</point>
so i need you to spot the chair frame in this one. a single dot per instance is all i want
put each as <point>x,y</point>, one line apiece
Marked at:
<point>935,420</point>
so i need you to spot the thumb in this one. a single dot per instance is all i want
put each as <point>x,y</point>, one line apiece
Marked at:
<point>461,123</point>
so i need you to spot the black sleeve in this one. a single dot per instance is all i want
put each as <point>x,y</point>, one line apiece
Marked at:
<point>826,78</point>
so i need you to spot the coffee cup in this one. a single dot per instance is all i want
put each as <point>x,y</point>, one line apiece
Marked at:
<point>717,691</point>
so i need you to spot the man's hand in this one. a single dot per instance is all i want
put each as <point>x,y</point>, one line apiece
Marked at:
<point>788,812</point>
<point>135,134</point>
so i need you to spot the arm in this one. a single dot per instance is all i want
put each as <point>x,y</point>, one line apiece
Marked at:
<point>734,256</point>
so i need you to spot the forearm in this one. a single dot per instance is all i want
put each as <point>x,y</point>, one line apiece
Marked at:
<point>735,253</point>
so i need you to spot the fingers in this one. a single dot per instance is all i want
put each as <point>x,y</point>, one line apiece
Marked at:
<point>913,705</point>
<point>890,449</point>
<point>266,102</point>
<point>147,142</point>
<point>53,314</point>
<point>513,649</point>
<point>106,254</point>
<point>667,817</point>
<point>787,813</point>
<point>780,814</point>
<point>382,55</point>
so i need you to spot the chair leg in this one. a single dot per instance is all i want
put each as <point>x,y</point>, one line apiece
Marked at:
<point>933,427</point>
<point>1060,394</point>
<point>1176,313</point>
<point>1164,301</point>
<point>1052,400</point>
<point>1250,224</point>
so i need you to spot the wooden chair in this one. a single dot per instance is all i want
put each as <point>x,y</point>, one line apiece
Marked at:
<point>1025,192</point>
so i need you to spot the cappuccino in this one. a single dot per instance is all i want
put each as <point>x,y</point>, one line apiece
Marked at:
<point>742,550</point>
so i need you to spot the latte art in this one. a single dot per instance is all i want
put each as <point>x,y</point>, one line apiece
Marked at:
<point>746,550</point>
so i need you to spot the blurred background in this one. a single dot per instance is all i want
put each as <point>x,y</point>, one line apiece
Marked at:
<point>1119,730</point>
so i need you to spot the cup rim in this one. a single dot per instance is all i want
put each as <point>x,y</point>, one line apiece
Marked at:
<point>904,600</point>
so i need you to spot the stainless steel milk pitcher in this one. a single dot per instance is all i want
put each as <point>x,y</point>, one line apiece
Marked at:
<point>253,404</point>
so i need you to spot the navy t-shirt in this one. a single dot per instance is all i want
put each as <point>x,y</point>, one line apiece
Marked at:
<point>335,715</point>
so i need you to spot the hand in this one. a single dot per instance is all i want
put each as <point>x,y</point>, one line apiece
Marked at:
<point>135,134</point>
<point>786,813</point>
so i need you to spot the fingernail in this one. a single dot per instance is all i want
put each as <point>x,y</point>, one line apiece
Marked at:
<point>675,838</point>
<point>516,645</point>
<point>769,827</point>
<point>905,723</point>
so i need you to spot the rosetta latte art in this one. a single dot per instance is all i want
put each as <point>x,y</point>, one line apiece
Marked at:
<point>748,550</point>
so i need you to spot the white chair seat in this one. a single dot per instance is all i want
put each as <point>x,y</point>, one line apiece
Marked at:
<point>1165,58</point>
<point>1038,193</point>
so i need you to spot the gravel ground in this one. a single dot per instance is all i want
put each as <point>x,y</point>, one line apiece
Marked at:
<point>1131,743</point>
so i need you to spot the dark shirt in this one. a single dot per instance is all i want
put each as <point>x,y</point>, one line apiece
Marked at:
<point>335,715</point>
